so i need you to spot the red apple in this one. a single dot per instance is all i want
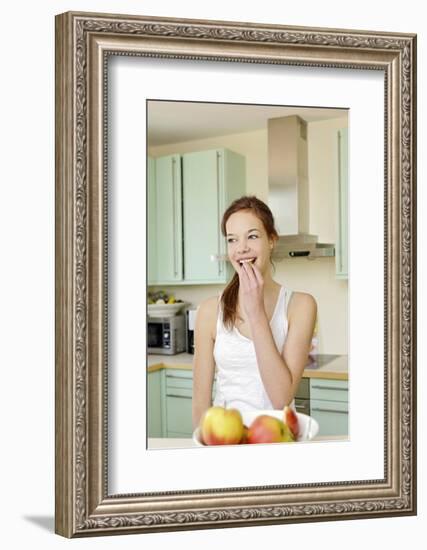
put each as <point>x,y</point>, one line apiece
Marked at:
<point>268,429</point>
<point>290,418</point>
<point>220,426</point>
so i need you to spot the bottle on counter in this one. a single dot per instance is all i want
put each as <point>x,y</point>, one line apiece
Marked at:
<point>314,350</point>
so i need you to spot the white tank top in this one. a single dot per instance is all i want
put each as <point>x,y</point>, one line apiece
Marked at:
<point>238,381</point>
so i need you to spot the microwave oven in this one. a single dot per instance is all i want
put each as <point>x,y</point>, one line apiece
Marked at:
<point>166,335</point>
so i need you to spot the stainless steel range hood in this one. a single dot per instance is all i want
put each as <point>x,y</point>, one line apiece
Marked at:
<point>288,189</point>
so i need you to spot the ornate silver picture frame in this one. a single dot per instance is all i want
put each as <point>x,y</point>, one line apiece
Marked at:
<point>84,42</point>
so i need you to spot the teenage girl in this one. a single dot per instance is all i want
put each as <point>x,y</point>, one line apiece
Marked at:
<point>256,336</point>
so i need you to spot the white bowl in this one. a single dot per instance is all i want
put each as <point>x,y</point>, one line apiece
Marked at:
<point>308,426</point>
<point>165,310</point>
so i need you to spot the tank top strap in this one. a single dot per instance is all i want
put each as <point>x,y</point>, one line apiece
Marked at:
<point>280,316</point>
<point>279,310</point>
<point>288,294</point>
<point>219,321</point>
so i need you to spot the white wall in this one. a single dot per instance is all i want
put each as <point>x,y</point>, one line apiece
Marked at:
<point>315,277</point>
<point>27,276</point>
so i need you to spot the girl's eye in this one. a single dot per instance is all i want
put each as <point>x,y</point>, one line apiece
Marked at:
<point>230,240</point>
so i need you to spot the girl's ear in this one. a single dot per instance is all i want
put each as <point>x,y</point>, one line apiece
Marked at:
<point>273,241</point>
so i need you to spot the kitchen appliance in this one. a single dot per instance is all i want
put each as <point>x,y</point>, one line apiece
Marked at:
<point>191,323</point>
<point>166,335</point>
<point>288,196</point>
<point>288,191</point>
<point>302,397</point>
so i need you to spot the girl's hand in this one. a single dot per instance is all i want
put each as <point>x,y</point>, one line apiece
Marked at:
<point>252,290</point>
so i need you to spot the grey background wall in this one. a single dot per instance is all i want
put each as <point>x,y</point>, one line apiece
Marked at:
<point>27,274</point>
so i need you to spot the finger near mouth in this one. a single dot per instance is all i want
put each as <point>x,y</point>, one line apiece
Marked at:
<point>246,262</point>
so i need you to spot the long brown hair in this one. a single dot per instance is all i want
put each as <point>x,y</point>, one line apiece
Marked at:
<point>260,210</point>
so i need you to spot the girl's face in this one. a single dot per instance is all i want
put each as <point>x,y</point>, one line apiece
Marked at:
<point>247,240</point>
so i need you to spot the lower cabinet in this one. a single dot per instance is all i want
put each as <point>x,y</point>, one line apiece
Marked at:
<point>154,404</point>
<point>170,393</point>
<point>177,405</point>
<point>329,405</point>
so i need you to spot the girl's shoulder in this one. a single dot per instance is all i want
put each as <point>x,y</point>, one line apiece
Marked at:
<point>209,304</point>
<point>208,308</point>
<point>301,302</point>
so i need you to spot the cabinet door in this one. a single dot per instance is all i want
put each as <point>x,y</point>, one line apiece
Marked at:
<point>151,222</point>
<point>178,390</point>
<point>154,397</point>
<point>341,253</point>
<point>329,405</point>
<point>179,416</point>
<point>169,219</point>
<point>332,416</point>
<point>202,183</point>
<point>329,390</point>
<point>179,384</point>
<point>211,181</point>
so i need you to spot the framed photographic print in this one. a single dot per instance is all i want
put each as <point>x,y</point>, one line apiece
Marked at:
<point>160,124</point>
<point>201,156</point>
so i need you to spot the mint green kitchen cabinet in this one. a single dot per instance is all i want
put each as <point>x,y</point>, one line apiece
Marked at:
<point>341,252</point>
<point>212,180</point>
<point>151,222</point>
<point>154,399</point>
<point>176,403</point>
<point>329,405</point>
<point>192,192</point>
<point>168,237</point>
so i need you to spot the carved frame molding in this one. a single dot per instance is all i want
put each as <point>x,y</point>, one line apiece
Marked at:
<point>83,43</point>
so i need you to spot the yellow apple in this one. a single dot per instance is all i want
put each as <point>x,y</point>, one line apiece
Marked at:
<point>220,426</point>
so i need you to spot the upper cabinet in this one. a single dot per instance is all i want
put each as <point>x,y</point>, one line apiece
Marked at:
<point>168,234</point>
<point>211,181</point>
<point>341,252</point>
<point>192,192</point>
<point>151,221</point>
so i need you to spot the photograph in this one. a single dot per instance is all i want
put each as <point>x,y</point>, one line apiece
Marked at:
<point>247,274</point>
<point>235,274</point>
<point>217,208</point>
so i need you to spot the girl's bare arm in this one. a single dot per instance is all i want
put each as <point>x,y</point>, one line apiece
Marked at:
<point>280,372</point>
<point>203,362</point>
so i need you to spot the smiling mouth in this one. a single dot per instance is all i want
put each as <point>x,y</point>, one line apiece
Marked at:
<point>248,260</point>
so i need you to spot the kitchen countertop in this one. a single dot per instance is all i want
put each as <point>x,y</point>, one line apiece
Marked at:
<point>155,443</point>
<point>332,367</point>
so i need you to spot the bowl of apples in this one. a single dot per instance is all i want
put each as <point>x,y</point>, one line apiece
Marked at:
<point>220,426</point>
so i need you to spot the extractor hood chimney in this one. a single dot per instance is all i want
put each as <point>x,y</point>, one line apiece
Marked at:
<point>288,189</point>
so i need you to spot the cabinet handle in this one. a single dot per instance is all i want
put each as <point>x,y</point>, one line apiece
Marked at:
<point>219,212</point>
<point>175,395</point>
<point>175,271</point>
<point>319,409</point>
<point>219,258</point>
<point>328,388</point>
